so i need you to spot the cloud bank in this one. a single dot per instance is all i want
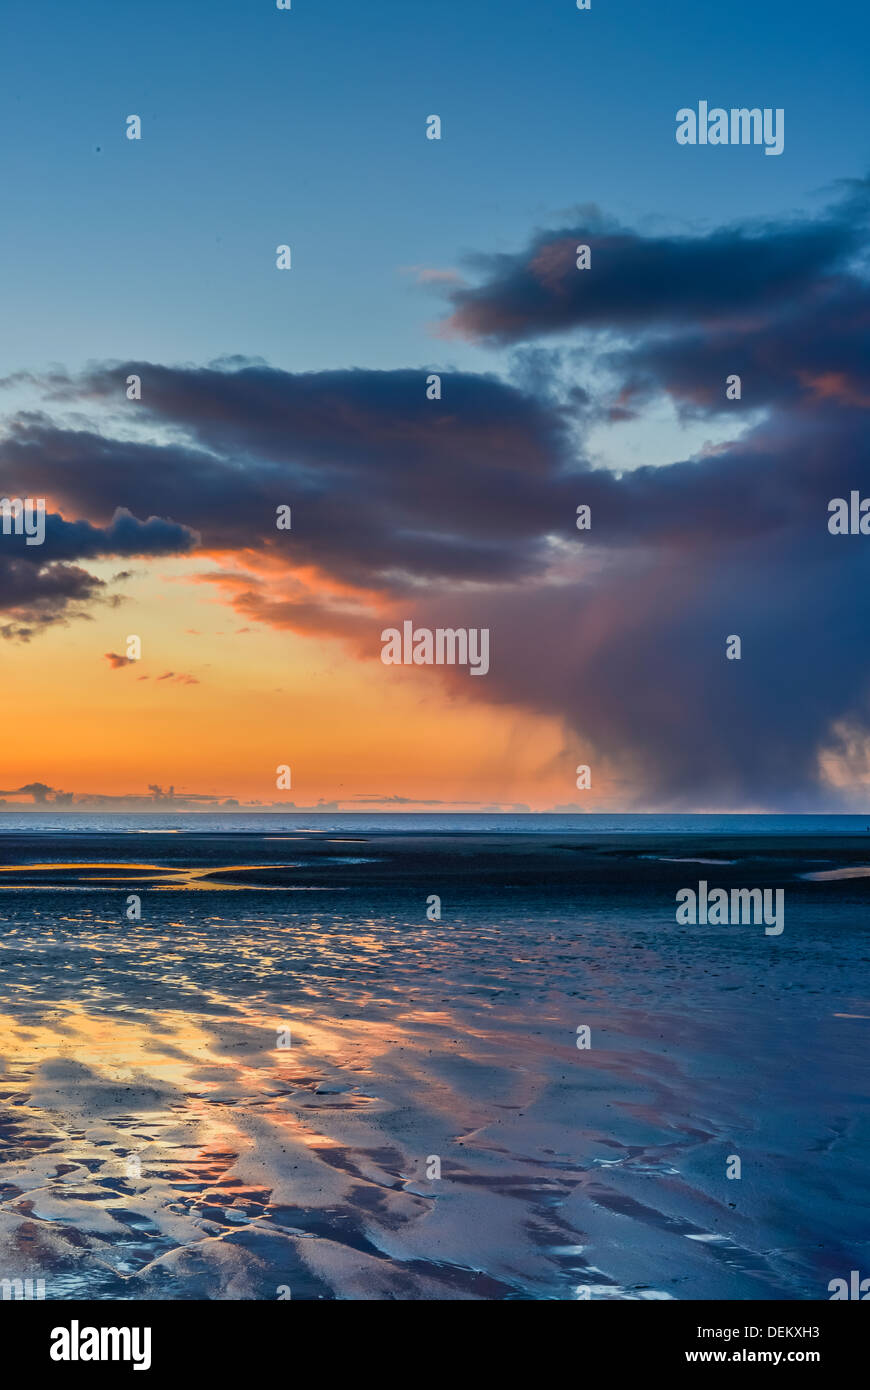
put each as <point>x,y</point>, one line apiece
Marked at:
<point>461,512</point>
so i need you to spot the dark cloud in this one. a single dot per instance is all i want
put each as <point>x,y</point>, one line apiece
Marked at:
<point>36,596</point>
<point>375,472</point>
<point>39,791</point>
<point>461,512</point>
<point>38,585</point>
<point>733,274</point>
<point>809,354</point>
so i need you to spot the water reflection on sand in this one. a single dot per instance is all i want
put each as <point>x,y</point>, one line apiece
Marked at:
<point>156,1141</point>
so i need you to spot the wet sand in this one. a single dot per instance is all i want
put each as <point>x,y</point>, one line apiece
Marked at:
<point>157,1142</point>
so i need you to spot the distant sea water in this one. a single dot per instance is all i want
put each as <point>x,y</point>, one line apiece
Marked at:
<point>545,823</point>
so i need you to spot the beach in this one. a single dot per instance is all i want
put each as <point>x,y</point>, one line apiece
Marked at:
<point>243,1092</point>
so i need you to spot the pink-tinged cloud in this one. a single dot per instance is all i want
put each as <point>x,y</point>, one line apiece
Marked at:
<point>178,679</point>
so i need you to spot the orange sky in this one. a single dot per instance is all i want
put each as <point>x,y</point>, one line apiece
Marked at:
<point>346,726</point>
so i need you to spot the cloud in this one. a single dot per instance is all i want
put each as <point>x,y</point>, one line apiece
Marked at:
<point>429,275</point>
<point>39,586</point>
<point>38,595</point>
<point>461,512</point>
<point>180,679</point>
<point>39,791</point>
<point>734,274</point>
<point>372,798</point>
<point>158,799</point>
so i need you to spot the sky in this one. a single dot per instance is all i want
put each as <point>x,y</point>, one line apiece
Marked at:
<point>307,388</point>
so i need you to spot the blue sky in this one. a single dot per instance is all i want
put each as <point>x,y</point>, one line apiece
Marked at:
<point>307,127</point>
